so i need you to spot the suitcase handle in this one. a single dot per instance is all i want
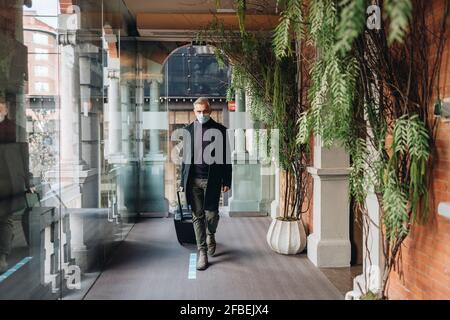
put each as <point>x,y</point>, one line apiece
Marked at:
<point>180,208</point>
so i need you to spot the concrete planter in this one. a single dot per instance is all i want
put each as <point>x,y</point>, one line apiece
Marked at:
<point>287,237</point>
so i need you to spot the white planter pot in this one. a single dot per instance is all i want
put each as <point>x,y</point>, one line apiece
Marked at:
<point>287,237</point>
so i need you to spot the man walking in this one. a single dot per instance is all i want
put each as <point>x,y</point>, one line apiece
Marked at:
<point>205,172</point>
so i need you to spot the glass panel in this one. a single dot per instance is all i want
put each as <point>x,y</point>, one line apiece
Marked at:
<point>193,71</point>
<point>86,114</point>
<point>190,72</point>
<point>30,249</point>
<point>95,225</point>
<point>56,89</point>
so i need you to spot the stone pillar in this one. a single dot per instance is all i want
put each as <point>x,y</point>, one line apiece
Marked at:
<point>125,109</point>
<point>373,259</point>
<point>74,172</point>
<point>114,112</point>
<point>152,176</point>
<point>91,85</point>
<point>329,245</point>
<point>240,132</point>
<point>139,105</point>
<point>154,107</point>
<point>69,99</point>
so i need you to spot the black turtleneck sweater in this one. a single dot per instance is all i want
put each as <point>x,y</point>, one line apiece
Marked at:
<point>201,170</point>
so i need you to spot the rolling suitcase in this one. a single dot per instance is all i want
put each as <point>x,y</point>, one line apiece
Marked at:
<point>183,224</point>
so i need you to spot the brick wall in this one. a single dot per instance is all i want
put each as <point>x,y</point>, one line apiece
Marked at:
<point>426,254</point>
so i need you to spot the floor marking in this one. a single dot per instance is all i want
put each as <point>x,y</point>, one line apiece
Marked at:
<point>10,271</point>
<point>192,264</point>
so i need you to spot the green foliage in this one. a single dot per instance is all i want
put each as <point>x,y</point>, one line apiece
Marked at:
<point>359,179</point>
<point>345,108</point>
<point>291,21</point>
<point>411,148</point>
<point>399,13</point>
<point>362,91</point>
<point>333,76</point>
<point>351,23</point>
<point>395,203</point>
<point>240,9</point>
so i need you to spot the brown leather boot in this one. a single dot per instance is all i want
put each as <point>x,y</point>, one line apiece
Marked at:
<point>202,260</point>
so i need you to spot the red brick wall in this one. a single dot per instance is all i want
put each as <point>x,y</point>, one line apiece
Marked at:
<point>426,254</point>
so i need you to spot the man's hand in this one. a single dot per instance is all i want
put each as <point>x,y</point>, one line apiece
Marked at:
<point>225,188</point>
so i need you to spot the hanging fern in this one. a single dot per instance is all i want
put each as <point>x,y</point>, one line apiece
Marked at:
<point>351,99</point>
<point>351,103</point>
<point>399,13</point>
<point>240,9</point>
<point>351,23</point>
<point>411,142</point>
<point>291,22</point>
<point>395,202</point>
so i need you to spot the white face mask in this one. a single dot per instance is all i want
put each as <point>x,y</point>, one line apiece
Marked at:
<point>203,118</point>
<point>2,117</point>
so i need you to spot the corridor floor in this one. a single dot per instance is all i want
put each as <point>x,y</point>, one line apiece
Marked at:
<point>151,264</point>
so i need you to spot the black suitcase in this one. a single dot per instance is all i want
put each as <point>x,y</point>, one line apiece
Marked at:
<point>183,224</point>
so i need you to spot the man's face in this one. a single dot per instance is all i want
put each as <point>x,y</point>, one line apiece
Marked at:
<point>201,109</point>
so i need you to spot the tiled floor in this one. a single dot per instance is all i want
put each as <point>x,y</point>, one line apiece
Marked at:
<point>151,264</point>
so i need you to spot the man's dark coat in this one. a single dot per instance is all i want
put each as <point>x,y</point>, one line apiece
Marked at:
<point>219,173</point>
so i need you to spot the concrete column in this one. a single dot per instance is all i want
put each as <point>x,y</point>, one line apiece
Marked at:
<point>125,108</point>
<point>139,105</point>
<point>91,86</point>
<point>69,99</point>
<point>115,114</point>
<point>154,107</point>
<point>329,245</point>
<point>74,172</point>
<point>240,133</point>
<point>373,259</point>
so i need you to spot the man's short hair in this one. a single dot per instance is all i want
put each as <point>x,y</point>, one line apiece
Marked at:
<point>203,100</point>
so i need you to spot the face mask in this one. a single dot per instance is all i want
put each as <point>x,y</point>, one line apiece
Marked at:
<point>2,117</point>
<point>203,118</point>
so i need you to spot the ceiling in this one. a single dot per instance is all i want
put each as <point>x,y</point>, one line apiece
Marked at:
<point>192,6</point>
<point>178,19</point>
<point>172,6</point>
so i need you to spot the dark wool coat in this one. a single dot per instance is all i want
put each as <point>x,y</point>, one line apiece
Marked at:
<point>219,173</point>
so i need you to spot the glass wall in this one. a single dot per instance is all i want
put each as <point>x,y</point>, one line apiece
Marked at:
<point>60,114</point>
<point>86,115</point>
